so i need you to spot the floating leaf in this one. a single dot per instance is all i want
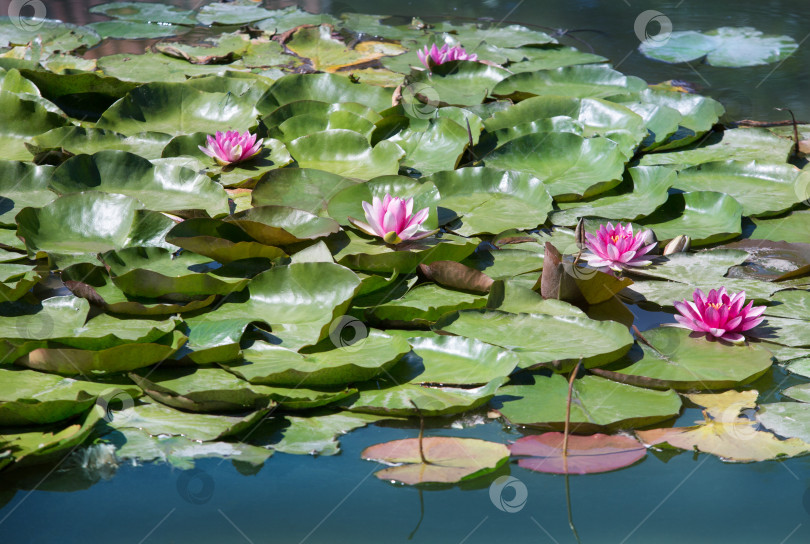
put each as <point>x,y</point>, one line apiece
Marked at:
<point>449,459</point>
<point>145,12</point>
<point>726,46</point>
<point>21,185</point>
<point>674,358</point>
<point>585,454</point>
<point>536,337</point>
<point>597,404</point>
<point>596,81</point>
<point>346,153</point>
<point>359,361</point>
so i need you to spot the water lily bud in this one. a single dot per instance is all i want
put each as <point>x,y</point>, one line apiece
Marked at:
<point>679,244</point>
<point>648,237</point>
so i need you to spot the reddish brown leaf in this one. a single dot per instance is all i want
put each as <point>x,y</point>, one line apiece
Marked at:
<point>586,454</point>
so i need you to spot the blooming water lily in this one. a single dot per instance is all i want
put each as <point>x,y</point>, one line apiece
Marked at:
<point>232,146</point>
<point>445,54</point>
<point>617,248</point>
<point>719,314</point>
<point>392,219</point>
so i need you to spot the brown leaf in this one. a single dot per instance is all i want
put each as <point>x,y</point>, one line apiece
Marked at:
<point>457,276</point>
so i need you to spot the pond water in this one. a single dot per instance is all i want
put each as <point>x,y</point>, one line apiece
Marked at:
<point>665,498</point>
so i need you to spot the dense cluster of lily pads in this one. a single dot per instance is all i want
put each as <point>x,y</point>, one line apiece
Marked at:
<point>178,302</point>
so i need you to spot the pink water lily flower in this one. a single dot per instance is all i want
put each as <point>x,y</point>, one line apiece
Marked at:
<point>392,219</point>
<point>617,248</point>
<point>719,314</point>
<point>232,146</point>
<point>445,54</point>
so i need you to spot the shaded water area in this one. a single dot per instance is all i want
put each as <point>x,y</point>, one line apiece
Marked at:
<point>668,497</point>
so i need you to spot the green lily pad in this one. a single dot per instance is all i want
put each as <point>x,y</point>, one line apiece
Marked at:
<point>28,397</point>
<point>793,227</point>
<point>587,81</point>
<point>219,240</point>
<point>398,400</point>
<point>598,117</point>
<point>650,187</point>
<point>672,358</point>
<point>788,419</point>
<point>707,217</point>
<point>597,404</point>
<point>492,201</point>
<point>726,46</point>
<point>94,284</point>
<point>303,188</point>
<point>761,188</point>
<point>55,35</point>
<point>78,140</point>
<point>36,447</point>
<point>571,166</point>
<point>200,389</point>
<point>282,226</point>
<point>302,125</point>
<point>81,224</point>
<point>423,305</point>
<point>145,12</point>
<point>162,185</point>
<point>455,83</point>
<point>156,67</point>
<point>535,337</point>
<point>22,185</point>
<point>20,120</point>
<point>157,419</point>
<point>314,435</point>
<point>155,272</point>
<point>346,153</point>
<point>17,279</point>
<point>298,301</point>
<point>457,360</point>
<point>232,13</point>
<point>328,54</point>
<point>359,252</point>
<point>180,452</point>
<point>665,111</point>
<point>133,30</point>
<point>175,108</point>
<point>550,56</point>
<point>329,88</point>
<point>274,365</point>
<point>741,144</point>
<point>438,147</point>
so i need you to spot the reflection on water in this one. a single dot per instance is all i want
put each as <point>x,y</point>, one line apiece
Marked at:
<point>606,27</point>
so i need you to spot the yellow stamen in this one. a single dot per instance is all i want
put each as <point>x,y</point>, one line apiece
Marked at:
<point>716,305</point>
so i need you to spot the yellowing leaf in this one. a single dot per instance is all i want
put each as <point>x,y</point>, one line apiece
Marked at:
<point>732,441</point>
<point>449,459</point>
<point>329,54</point>
<point>726,406</point>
